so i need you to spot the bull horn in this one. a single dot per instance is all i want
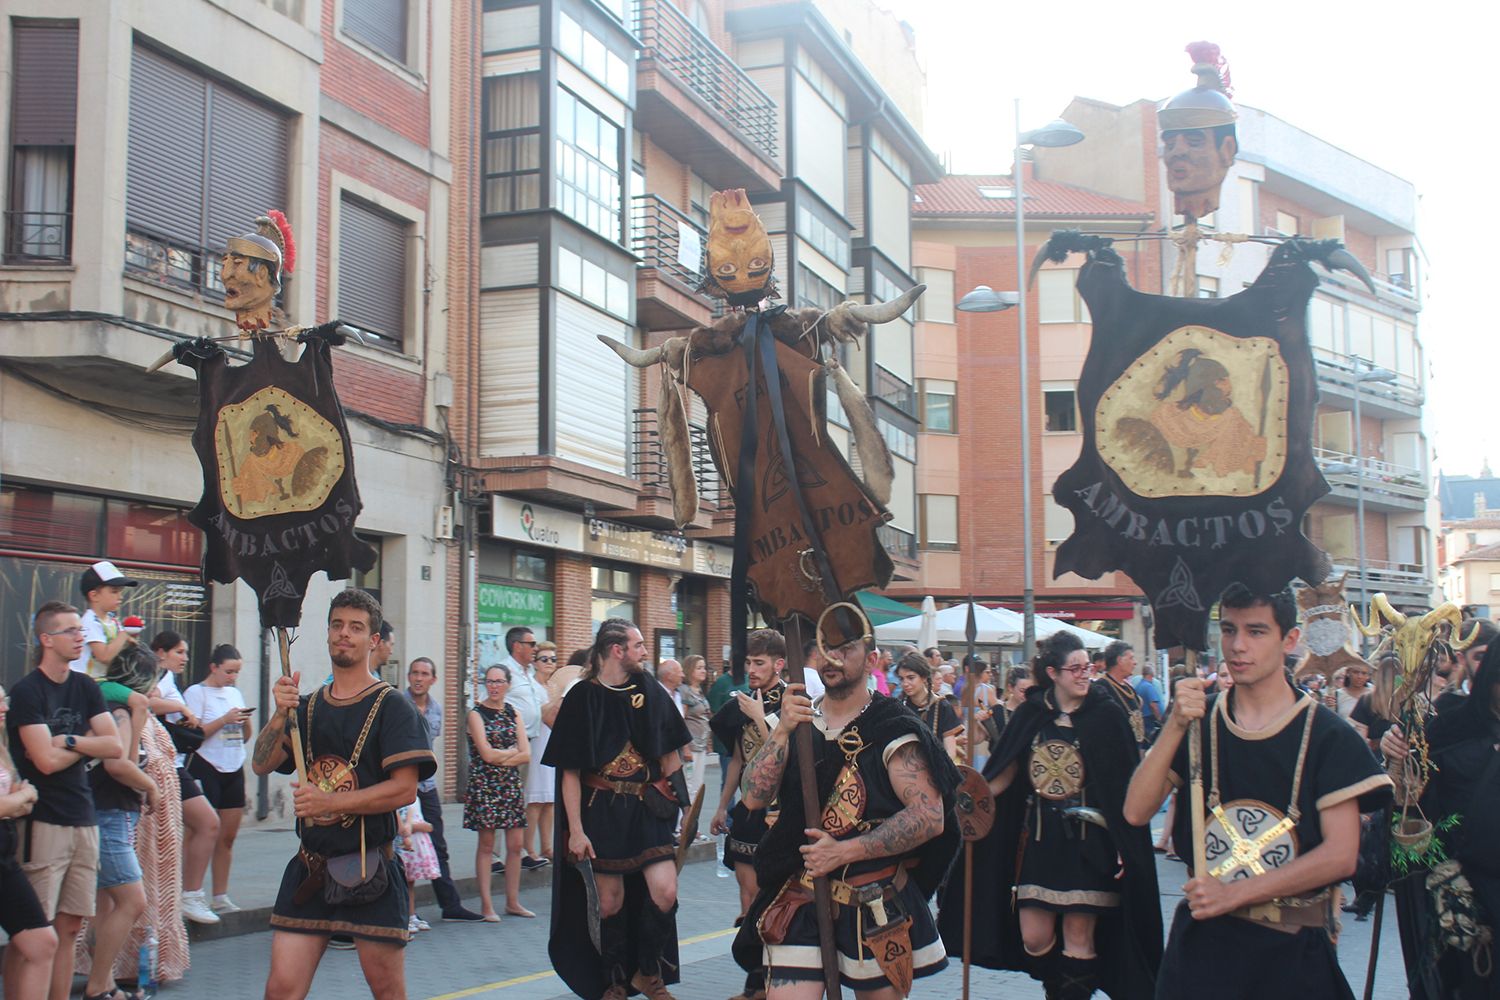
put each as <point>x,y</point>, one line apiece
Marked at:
<point>1450,613</point>
<point>1380,608</point>
<point>634,356</point>
<point>884,312</point>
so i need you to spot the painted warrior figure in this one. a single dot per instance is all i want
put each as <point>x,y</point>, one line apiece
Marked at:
<point>885,838</point>
<point>1286,781</point>
<point>741,724</point>
<point>615,745</point>
<point>1084,913</point>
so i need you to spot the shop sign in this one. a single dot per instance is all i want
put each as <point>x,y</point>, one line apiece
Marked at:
<point>637,545</point>
<point>535,524</point>
<point>548,527</point>
<point>500,604</point>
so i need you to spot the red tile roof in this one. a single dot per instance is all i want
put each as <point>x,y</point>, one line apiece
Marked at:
<point>961,195</point>
<point>1484,553</point>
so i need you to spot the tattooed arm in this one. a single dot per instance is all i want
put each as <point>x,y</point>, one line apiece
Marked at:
<point>917,823</point>
<point>273,746</point>
<point>763,773</point>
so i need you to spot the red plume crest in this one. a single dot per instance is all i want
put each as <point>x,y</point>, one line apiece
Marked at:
<point>1208,54</point>
<point>289,246</point>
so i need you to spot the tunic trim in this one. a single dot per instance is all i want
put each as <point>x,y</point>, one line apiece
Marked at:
<point>1070,897</point>
<point>1355,790</point>
<point>1274,729</point>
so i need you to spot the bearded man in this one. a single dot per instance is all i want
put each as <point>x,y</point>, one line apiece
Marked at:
<point>615,746</point>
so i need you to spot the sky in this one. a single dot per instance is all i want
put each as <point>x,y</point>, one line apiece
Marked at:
<point>1387,82</point>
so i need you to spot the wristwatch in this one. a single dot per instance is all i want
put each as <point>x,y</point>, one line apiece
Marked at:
<point>70,742</point>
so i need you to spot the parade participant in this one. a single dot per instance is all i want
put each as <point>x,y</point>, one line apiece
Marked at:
<point>1465,783</point>
<point>1286,782</point>
<point>1484,632</point>
<point>1119,668</point>
<point>1084,912</point>
<point>615,747</point>
<point>918,695</point>
<point>884,840</point>
<point>365,753</point>
<point>741,725</point>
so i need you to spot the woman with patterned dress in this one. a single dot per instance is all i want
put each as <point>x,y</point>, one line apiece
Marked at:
<point>496,799</point>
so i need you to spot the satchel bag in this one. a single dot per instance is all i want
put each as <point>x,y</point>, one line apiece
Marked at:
<point>357,878</point>
<point>187,739</point>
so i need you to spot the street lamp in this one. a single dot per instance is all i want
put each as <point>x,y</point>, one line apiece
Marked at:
<point>984,299</point>
<point>1364,372</point>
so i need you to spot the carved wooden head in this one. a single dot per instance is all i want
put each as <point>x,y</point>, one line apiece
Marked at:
<point>740,258</point>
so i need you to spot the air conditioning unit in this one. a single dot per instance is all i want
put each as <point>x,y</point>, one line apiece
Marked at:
<point>443,523</point>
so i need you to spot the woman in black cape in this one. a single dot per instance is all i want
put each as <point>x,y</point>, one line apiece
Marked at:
<point>1078,906</point>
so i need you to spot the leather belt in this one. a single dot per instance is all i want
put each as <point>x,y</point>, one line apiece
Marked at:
<point>856,888</point>
<point>635,788</point>
<point>1291,914</point>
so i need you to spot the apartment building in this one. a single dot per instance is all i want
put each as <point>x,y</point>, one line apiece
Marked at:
<point>1367,349</point>
<point>605,128</point>
<point>140,137</point>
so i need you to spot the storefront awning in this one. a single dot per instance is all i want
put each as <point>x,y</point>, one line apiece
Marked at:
<point>881,610</point>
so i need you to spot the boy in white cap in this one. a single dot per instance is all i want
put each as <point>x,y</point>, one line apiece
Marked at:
<point>103,587</point>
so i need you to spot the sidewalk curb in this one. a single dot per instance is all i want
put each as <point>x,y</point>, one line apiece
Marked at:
<point>257,919</point>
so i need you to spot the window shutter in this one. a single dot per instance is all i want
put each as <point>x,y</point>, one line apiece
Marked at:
<point>380,24</point>
<point>45,99</point>
<point>247,159</point>
<point>372,269</point>
<point>164,170</point>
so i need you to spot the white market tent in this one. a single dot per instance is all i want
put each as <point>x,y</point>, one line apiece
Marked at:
<point>996,627</point>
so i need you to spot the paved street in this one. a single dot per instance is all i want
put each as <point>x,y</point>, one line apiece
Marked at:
<point>509,961</point>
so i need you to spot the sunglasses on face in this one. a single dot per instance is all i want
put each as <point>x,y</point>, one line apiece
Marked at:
<point>546,659</point>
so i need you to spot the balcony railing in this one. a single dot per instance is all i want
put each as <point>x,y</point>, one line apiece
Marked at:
<point>1381,575</point>
<point>1378,477</point>
<point>666,239</point>
<point>177,265</point>
<point>900,394</point>
<point>1338,369</point>
<point>900,544</point>
<point>677,46</point>
<point>651,462</point>
<point>38,237</point>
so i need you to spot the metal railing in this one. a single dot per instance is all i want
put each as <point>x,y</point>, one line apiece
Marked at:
<point>677,46</point>
<point>899,543</point>
<point>891,388</point>
<point>38,237</point>
<point>666,239</point>
<point>1339,369</point>
<point>650,462</point>
<point>1382,575</point>
<point>177,265</point>
<point>1379,477</point>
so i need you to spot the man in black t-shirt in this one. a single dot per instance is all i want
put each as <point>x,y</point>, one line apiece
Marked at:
<point>366,748</point>
<point>1285,780</point>
<point>57,722</point>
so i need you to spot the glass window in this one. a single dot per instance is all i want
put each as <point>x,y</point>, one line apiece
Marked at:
<point>1057,297</point>
<point>44,521</point>
<point>1287,223</point>
<point>1060,408</point>
<point>902,443</point>
<point>614,593</point>
<point>151,533</point>
<point>512,143</point>
<point>813,291</point>
<point>939,521</point>
<point>533,568</point>
<point>369,580</point>
<point>588,166</point>
<point>1208,287</point>
<point>937,405</point>
<point>831,242</point>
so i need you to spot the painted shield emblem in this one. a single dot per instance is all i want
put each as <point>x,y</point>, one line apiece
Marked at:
<point>276,455</point>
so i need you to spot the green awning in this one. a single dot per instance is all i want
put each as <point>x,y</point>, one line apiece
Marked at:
<point>882,610</point>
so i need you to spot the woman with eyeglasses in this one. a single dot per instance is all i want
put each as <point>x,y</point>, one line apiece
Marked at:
<point>496,799</point>
<point>539,777</point>
<point>1086,911</point>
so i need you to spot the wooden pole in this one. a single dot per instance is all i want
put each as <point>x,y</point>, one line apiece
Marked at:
<point>971,633</point>
<point>1374,942</point>
<point>284,642</point>
<point>1195,788</point>
<point>813,811</point>
<point>1190,257</point>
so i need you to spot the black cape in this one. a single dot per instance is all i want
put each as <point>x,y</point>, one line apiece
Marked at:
<point>729,722</point>
<point>590,730</point>
<point>1127,939</point>
<point>778,857</point>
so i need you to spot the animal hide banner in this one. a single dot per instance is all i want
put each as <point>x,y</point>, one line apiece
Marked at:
<point>782,567</point>
<point>279,496</point>
<point>1197,463</point>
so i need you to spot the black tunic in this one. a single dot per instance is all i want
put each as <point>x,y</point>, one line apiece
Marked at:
<point>1130,703</point>
<point>604,730</point>
<point>938,716</point>
<point>778,859</point>
<point>1127,937</point>
<point>1244,959</point>
<point>735,729</point>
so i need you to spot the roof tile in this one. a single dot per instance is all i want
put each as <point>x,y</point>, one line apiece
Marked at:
<point>963,195</point>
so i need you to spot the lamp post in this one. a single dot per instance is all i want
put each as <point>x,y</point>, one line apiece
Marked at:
<point>1364,372</point>
<point>984,299</point>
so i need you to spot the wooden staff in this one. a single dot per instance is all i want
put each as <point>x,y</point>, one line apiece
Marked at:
<point>1195,788</point>
<point>284,642</point>
<point>1190,236</point>
<point>812,811</point>
<point>971,633</point>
